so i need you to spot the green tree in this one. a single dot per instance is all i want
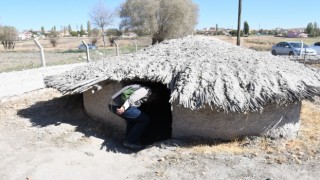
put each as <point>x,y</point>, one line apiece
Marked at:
<point>89,28</point>
<point>246,28</point>
<point>54,29</point>
<point>114,32</point>
<point>82,32</point>
<point>43,30</point>
<point>34,33</point>
<point>102,17</point>
<point>161,19</point>
<point>309,30</point>
<point>235,32</point>
<point>65,29</point>
<point>74,33</point>
<point>217,30</point>
<point>69,28</point>
<point>316,32</point>
<point>261,31</point>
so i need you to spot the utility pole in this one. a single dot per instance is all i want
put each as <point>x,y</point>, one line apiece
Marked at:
<point>259,32</point>
<point>216,29</point>
<point>239,22</point>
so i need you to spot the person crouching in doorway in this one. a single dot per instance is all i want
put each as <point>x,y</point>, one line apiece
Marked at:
<point>125,103</point>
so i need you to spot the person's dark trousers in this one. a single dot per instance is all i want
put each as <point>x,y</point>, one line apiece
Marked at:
<point>130,125</point>
<point>137,122</point>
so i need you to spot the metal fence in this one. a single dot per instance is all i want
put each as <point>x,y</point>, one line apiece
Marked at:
<point>17,60</point>
<point>31,58</point>
<point>304,59</point>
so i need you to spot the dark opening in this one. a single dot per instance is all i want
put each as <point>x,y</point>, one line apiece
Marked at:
<point>159,111</point>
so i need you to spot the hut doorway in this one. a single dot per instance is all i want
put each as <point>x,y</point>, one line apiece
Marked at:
<point>159,111</point>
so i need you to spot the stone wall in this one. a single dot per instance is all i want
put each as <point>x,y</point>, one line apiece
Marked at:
<point>283,121</point>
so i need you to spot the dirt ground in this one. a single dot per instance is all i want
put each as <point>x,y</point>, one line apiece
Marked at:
<point>45,135</point>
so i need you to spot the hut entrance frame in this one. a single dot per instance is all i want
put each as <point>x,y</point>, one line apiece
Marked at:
<point>159,111</point>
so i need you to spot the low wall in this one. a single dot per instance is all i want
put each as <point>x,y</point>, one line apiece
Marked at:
<point>96,106</point>
<point>276,122</point>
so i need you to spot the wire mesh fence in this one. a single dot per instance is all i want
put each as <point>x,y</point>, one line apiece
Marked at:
<point>27,55</point>
<point>28,58</point>
<point>304,59</point>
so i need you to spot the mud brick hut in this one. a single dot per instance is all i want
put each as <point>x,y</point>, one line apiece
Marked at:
<point>209,88</point>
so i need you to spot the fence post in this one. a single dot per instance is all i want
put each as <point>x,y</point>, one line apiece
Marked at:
<point>87,50</point>
<point>117,50</point>
<point>43,61</point>
<point>135,44</point>
<point>301,48</point>
<point>305,53</point>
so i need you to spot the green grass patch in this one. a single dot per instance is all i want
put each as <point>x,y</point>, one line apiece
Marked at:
<point>72,51</point>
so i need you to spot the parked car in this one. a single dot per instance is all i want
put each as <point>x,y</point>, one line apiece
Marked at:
<point>316,46</point>
<point>83,47</point>
<point>292,49</point>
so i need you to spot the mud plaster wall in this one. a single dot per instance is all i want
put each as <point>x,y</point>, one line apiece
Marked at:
<point>96,105</point>
<point>275,121</point>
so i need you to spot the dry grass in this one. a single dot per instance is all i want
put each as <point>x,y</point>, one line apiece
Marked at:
<point>315,65</point>
<point>26,54</point>
<point>232,147</point>
<point>71,43</point>
<point>264,43</point>
<point>261,43</point>
<point>305,146</point>
<point>309,137</point>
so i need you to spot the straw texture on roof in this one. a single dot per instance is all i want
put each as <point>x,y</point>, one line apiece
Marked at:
<point>202,72</point>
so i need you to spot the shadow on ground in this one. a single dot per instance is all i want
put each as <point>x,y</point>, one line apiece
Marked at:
<point>70,110</point>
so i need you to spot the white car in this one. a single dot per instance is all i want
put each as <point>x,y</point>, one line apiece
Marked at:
<point>292,49</point>
<point>84,48</point>
<point>316,46</point>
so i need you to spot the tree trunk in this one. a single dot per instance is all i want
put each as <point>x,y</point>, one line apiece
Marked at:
<point>104,41</point>
<point>156,39</point>
<point>8,44</point>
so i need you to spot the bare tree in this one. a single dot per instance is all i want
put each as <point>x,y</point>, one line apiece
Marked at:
<point>95,33</point>
<point>161,19</point>
<point>53,36</point>
<point>102,17</point>
<point>8,35</point>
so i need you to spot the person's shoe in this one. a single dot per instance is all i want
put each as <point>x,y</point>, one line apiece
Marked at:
<point>135,147</point>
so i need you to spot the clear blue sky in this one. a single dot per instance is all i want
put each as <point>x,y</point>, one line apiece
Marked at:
<point>266,14</point>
